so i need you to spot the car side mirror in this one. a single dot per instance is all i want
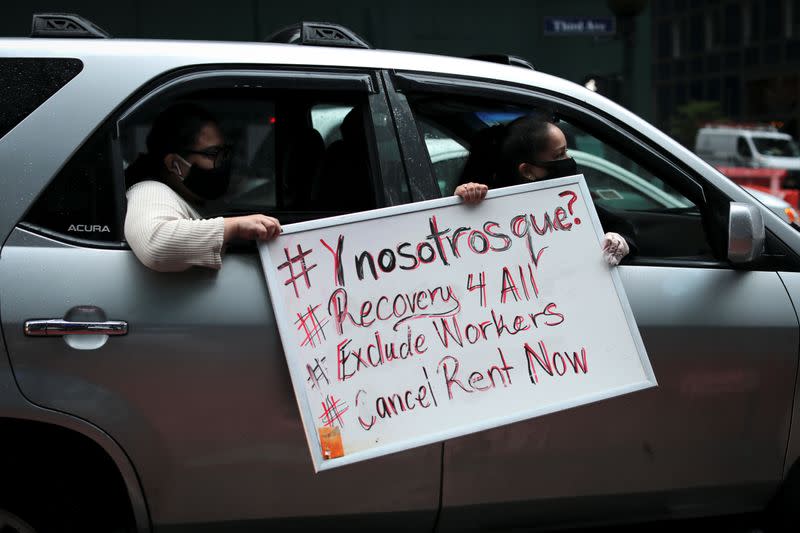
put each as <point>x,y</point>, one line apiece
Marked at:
<point>746,233</point>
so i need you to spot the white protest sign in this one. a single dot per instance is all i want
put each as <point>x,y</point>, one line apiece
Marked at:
<point>417,323</point>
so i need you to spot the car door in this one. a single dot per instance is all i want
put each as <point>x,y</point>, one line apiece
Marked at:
<point>723,344</point>
<point>188,374</point>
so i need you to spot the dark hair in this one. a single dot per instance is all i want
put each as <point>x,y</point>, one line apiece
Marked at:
<point>484,156</point>
<point>174,131</point>
<point>526,137</point>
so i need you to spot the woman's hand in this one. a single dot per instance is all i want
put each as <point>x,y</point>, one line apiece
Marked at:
<point>472,193</point>
<point>615,248</point>
<point>251,227</point>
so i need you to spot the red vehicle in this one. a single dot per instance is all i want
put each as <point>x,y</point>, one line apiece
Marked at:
<point>769,180</point>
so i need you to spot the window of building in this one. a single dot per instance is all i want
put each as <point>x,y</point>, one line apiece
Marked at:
<point>752,56</point>
<point>753,21</point>
<point>676,39</point>
<point>697,34</point>
<point>696,90</point>
<point>747,23</point>
<point>681,96</point>
<point>772,19</point>
<point>773,53</point>
<point>733,60</point>
<point>664,103</point>
<point>713,90</point>
<point>713,29</point>
<point>792,18</point>
<point>732,96</point>
<point>733,24</point>
<point>713,63</point>
<point>664,41</point>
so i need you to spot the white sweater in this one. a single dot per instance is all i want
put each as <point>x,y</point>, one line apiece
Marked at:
<point>167,234</point>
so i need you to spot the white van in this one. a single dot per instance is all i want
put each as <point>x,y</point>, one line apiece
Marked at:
<point>747,146</point>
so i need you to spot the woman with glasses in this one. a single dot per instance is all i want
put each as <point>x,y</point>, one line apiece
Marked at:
<point>187,162</point>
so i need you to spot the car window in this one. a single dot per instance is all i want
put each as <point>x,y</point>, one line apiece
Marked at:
<point>28,82</point>
<point>327,120</point>
<point>459,137</point>
<point>462,137</point>
<point>448,156</point>
<point>742,148</point>
<point>82,201</point>
<point>776,147</point>
<point>296,155</point>
<point>663,222</point>
<point>615,187</point>
<point>616,182</point>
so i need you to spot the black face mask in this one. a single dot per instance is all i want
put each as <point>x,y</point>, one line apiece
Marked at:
<point>208,184</point>
<point>558,168</point>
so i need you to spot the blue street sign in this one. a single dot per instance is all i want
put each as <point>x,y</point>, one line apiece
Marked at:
<point>579,25</point>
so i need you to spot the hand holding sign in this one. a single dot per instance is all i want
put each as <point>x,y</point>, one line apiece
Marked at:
<point>422,322</point>
<point>615,248</point>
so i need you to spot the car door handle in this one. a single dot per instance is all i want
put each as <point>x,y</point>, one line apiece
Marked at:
<point>57,327</point>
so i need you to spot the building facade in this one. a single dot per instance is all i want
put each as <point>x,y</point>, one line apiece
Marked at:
<point>744,54</point>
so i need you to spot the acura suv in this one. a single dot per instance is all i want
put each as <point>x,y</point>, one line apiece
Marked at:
<point>133,400</point>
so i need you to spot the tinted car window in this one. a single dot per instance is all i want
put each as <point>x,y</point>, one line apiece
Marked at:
<point>448,156</point>
<point>463,135</point>
<point>611,192</point>
<point>27,83</point>
<point>83,200</point>
<point>624,184</point>
<point>776,147</point>
<point>297,155</point>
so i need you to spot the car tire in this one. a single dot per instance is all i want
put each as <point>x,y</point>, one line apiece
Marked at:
<point>58,497</point>
<point>783,512</point>
<point>42,514</point>
<point>11,523</point>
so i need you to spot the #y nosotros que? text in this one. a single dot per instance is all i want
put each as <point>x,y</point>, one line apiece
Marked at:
<point>440,306</point>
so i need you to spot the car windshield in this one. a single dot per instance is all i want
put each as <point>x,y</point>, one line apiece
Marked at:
<point>776,147</point>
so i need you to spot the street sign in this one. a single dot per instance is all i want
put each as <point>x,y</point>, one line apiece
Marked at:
<point>579,25</point>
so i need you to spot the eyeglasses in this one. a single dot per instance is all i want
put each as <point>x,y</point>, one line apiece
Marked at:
<point>219,154</point>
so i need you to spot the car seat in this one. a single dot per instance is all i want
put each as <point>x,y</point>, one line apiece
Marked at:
<point>345,183</point>
<point>301,166</point>
<point>482,166</point>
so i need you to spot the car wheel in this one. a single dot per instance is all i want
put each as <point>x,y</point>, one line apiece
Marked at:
<point>783,514</point>
<point>59,512</point>
<point>11,523</point>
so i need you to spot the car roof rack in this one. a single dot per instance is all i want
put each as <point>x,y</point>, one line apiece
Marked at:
<point>504,59</point>
<point>318,34</point>
<point>65,25</point>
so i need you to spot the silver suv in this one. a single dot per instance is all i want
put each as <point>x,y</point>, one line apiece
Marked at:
<point>137,400</point>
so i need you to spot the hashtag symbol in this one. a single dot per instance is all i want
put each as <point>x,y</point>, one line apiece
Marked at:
<point>332,411</point>
<point>290,262</point>
<point>317,373</point>
<point>312,328</point>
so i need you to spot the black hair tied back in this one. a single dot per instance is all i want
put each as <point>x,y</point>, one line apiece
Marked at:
<point>174,131</point>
